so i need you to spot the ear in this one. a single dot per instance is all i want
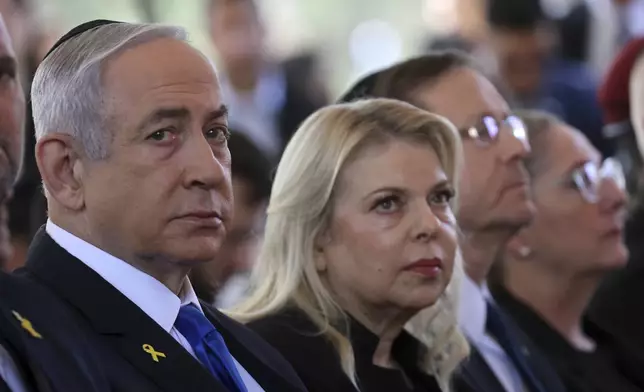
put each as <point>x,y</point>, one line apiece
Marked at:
<point>518,247</point>
<point>61,169</point>
<point>319,254</point>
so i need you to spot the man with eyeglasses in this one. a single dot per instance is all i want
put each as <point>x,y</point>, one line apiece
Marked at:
<point>494,203</point>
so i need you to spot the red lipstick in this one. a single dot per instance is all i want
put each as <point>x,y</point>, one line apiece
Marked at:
<point>426,267</point>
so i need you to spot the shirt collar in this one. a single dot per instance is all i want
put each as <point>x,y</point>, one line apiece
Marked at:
<point>150,295</point>
<point>472,312</point>
<point>268,96</point>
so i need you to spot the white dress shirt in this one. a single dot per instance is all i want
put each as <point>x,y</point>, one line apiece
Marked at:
<point>256,113</point>
<point>472,315</point>
<point>9,372</point>
<point>150,295</point>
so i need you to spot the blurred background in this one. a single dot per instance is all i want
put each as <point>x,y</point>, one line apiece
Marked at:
<point>349,38</point>
<point>280,60</point>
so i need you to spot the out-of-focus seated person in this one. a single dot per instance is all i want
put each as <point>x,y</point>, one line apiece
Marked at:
<point>522,39</point>
<point>264,100</point>
<point>225,281</point>
<point>360,239</point>
<point>618,305</point>
<point>551,269</point>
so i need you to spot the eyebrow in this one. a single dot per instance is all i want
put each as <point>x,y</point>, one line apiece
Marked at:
<point>474,120</point>
<point>180,113</point>
<point>162,114</point>
<point>440,185</point>
<point>577,165</point>
<point>221,112</point>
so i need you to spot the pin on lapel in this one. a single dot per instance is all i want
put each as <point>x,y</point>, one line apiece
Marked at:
<point>155,354</point>
<point>26,325</point>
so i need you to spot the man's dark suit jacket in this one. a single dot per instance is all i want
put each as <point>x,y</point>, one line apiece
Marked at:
<point>41,363</point>
<point>106,343</point>
<point>3,386</point>
<point>475,375</point>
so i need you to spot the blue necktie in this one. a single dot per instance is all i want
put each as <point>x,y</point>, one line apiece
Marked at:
<point>209,347</point>
<point>504,333</point>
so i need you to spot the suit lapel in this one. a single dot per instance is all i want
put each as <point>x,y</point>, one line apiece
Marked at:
<point>3,386</point>
<point>478,375</point>
<point>254,362</point>
<point>123,325</point>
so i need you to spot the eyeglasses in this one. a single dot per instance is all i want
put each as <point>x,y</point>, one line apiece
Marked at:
<point>588,178</point>
<point>486,131</point>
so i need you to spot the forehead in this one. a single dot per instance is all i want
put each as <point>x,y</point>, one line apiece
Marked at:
<point>520,41</point>
<point>162,72</point>
<point>6,49</point>
<point>234,11</point>
<point>462,95</point>
<point>568,148</point>
<point>395,163</point>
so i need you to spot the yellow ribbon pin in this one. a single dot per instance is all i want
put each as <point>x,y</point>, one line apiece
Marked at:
<point>26,325</point>
<point>155,354</point>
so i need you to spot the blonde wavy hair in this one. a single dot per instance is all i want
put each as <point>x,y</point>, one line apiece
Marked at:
<point>300,209</point>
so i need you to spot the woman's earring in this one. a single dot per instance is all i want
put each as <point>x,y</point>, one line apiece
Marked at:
<point>525,251</point>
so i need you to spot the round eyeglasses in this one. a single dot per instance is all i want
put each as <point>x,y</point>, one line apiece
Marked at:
<point>588,178</point>
<point>486,131</point>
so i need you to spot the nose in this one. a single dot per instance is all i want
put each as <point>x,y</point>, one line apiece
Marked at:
<point>611,196</point>
<point>427,223</point>
<point>511,147</point>
<point>203,168</point>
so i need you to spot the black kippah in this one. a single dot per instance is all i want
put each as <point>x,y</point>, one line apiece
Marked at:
<point>79,30</point>
<point>362,89</point>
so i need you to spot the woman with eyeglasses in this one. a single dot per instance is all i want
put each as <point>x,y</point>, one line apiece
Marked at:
<point>551,269</point>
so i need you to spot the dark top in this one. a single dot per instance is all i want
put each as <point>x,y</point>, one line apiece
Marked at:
<point>617,306</point>
<point>475,374</point>
<point>318,364</point>
<point>3,386</point>
<point>610,368</point>
<point>94,339</point>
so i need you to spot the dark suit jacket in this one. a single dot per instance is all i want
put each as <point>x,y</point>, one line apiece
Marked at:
<point>318,364</point>
<point>613,366</point>
<point>113,332</point>
<point>298,105</point>
<point>475,375</point>
<point>3,386</point>
<point>42,362</point>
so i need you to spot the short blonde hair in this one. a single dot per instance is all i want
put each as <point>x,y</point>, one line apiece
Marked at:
<point>300,208</point>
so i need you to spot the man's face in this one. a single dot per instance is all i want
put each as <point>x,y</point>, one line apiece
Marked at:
<point>520,56</point>
<point>164,192</point>
<point>12,113</point>
<point>237,32</point>
<point>493,190</point>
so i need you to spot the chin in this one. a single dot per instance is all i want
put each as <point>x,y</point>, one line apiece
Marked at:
<point>194,251</point>
<point>619,258</point>
<point>423,297</point>
<point>609,259</point>
<point>523,213</point>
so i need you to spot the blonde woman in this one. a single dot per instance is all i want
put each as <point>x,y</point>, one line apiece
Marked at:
<point>361,238</point>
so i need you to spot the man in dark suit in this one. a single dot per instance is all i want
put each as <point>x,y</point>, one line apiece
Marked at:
<point>132,148</point>
<point>494,204</point>
<point>267,100</point>
<point>12,112</point>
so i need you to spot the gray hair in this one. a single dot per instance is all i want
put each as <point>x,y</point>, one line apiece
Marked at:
<point>67,90</point>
